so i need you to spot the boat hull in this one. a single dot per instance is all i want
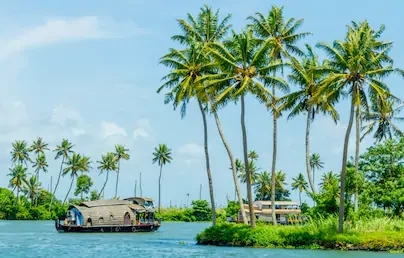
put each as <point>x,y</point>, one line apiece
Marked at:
<point>106,229</point>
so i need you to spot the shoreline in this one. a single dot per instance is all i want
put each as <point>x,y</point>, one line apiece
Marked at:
<point>300,237</point>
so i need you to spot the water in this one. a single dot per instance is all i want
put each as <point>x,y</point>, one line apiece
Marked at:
<point>23,239</point>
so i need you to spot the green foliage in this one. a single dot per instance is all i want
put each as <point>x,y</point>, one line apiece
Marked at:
<point>374,235</point>
<point>232,208</point>
<point>24,210</point>
<point>83,185</point>
<point>199,211</point>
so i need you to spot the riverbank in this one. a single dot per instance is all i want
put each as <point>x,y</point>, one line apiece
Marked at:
<point>371,235</point>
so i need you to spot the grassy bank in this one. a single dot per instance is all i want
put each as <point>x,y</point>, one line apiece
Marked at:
<point>381,234</point>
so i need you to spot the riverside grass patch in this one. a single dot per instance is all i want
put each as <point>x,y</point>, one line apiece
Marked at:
<point>371,235</point>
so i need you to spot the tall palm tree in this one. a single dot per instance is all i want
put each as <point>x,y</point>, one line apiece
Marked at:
<point>187,66</point>
<point>18,175</point>
<point>120,153</point>
<point>308,76</point>
<point>283,37</point>
<point>360,60</point>
<point>38,147</point>
<point>203,30</point>
<point>254,173</point>
<point>32,189</point>
<point>262,185</point>
<point>299,183</point>
<point>381,118</point>
<point>40,164</point>
<point>315,163</point>
<point>63,150</point>
<point>108,163</point>
<point>75,164</point>
<point>161,155</point>
<point>20,152</point>
<point>243,69</point>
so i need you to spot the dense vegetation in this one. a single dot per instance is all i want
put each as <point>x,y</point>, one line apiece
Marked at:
<point>378,234</point>
<point>216,66</point>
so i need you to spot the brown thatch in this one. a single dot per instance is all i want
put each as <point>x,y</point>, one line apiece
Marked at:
<point>104,215</point>
<point>139,200</point>
<point>104,203</point>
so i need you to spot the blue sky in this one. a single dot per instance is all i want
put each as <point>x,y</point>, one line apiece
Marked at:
<point>88,71</point>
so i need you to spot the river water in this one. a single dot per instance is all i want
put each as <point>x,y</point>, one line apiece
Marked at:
<point>21,239</point>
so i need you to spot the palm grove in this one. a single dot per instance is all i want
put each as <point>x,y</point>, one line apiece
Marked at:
<point>217,65</point>
<point>72,164</point>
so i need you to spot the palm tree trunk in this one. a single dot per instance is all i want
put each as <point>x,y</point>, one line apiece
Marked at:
<point>233,166</point>
<point>273,175</point>
<point>57,183</point>
<point>18,195</point>
<point>343,169</point>
<point>308,122</point>
<point>103,187</point>
<point>117,177</point>
<point>300,198</point>
<point>357,143</point>
<point>161,170</point>
<point>246,164</point>
<point>205,134</point>
<point>70,188</point>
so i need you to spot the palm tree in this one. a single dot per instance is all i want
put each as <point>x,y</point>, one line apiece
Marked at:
<point>308,76</point>
<point>161,155</point>
<point>254,174</point>
<point>299,183</point>
<point>108,163</point>
<point>382,117</point>
<point>208,28</point>
<point>32,189</point>
<point>20,152</point>
<point>360,60</point>
<point>315,163</point>
<point>75,164</point>
<point>243,68</point>
<point>263,185</point>
<point>63,150</point>
<point>18,176</point>
<point>120,153</point>
<point>39,147</point>
<point>282,35</point>
<point>40,164</point>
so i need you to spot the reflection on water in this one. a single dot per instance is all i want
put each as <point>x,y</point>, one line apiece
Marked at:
<point>20,239</point>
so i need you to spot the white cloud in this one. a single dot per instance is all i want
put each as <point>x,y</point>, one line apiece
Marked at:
<point>109,129</point>
<point>142,129</point>
<point>59,30</point>
<point>191,150</point>
<point>61,114</point>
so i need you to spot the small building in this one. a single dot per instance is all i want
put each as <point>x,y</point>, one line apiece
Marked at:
<point>286,211</point>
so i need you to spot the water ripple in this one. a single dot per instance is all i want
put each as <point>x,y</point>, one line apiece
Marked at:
<point>26,239</point>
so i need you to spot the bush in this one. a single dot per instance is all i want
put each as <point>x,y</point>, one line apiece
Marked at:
<point>385,235</point>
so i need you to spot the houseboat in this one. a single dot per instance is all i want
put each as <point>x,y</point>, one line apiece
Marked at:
<point>287,212</point>
<point>134,214</point>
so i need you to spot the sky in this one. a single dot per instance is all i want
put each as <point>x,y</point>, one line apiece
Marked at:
<point>88,71</point>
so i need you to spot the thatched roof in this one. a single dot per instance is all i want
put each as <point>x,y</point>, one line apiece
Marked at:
<point>96,203</point>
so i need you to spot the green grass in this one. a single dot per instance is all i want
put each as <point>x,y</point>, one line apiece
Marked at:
<point>372,235</point>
